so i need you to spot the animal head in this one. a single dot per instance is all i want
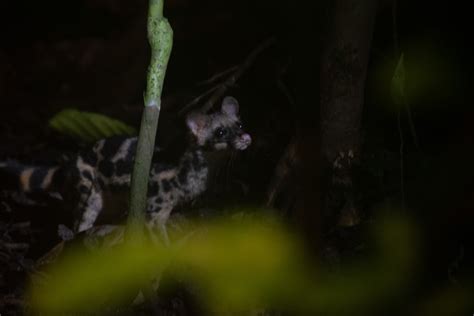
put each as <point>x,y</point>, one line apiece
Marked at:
<point>220,130</point>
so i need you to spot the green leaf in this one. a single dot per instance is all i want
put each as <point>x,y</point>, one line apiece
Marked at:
<point>236,265</point>
<point>398,83</point>
<point>87,126</point>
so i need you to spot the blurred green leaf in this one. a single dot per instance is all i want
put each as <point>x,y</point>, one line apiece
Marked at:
<point>236,265</point>
<point>85,281</point>
<point>427,75</point>
<point>398,83</point>
<point>87,126</point>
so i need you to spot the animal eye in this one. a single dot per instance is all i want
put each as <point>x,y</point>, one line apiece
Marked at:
<point>220,132</point>
<point>239,125</point>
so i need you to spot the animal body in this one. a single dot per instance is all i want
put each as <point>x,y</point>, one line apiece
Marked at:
<point>86,181</point>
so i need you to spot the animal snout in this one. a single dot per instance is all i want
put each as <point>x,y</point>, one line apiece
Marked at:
<point>243,141</point>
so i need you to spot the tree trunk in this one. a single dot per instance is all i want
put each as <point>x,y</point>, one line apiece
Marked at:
<point>343,72</point>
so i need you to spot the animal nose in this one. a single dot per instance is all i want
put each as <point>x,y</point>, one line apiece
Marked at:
<point>246,139</point>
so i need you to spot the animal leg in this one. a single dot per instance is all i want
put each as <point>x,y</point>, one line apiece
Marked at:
<point>159,220</point>
<point>90,204</point>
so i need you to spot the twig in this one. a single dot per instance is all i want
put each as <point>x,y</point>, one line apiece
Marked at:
<point>282,172</point>
<point>196,100</point>
<point>402,172</point>
<point>405,104</point>
<point>396,49</point>
<point>283,87</point>
<point>287,160</point>
<point>236,73</point>
<point>411,124</point>
<point>242,68</point>
<point>217,76</point>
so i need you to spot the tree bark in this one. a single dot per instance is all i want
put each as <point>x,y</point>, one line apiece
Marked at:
<point>344,63</point>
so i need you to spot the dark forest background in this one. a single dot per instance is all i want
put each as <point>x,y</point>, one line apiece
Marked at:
<point>92,55</point>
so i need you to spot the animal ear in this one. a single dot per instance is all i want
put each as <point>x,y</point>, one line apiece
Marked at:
<point>230,106</point>
<point>196,122</point>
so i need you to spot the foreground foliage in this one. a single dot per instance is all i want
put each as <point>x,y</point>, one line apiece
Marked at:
<point>237,265</point>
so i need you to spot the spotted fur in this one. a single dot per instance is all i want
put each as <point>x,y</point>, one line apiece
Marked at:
<point>86,180</point>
